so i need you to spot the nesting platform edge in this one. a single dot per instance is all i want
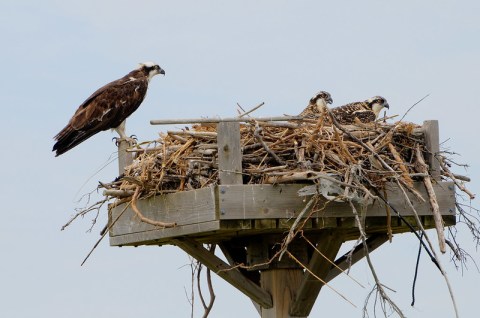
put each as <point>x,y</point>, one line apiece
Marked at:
<point>226,211</point>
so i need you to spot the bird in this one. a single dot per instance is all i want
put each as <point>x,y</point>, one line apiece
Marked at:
<point>365,112</point>
<point>316,105</point>
<point>107,108</point>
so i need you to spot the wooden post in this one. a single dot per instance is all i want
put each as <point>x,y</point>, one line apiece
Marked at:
<point>229,153</point>
<point>328,244</point>
<point>124,158</point>
<point>432,143</point>
<point>282,284</point>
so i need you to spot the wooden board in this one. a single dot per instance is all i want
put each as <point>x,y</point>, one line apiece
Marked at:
<point>432,143</point>
<point>229,153</point>
<point>189,209</point>
<point>241,210</point>
<point>281,201</point>
<point>163,236</point>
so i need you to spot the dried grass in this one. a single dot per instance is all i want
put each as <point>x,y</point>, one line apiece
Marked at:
<point>274,153</point>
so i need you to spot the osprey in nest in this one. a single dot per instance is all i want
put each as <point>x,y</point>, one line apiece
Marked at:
<point>364,112</point>
<point>107,108</point>
<point>316,105</point>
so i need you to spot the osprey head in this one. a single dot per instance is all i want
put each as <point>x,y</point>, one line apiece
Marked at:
<point>322,95</point>
<point>377,103</point>
<point>151,69</point>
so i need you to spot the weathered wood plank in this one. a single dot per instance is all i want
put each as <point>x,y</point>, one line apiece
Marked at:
<point>229,153</point>
<point>432,143</point>
<point>281,201</point>
<point>329,244</point>
<point>259,201</point>
<point>163,236</point>
<point>238,255</point>
<point>216,231</point>
<point>124,158</point>
<point>222,269</point>
<point>188,207</point>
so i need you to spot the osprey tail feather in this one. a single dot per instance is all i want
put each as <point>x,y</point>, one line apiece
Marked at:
<point>69,138</point>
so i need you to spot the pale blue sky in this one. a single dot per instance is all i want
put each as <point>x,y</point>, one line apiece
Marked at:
<point>215,54</point>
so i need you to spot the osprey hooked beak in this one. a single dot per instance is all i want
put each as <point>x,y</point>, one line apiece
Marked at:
<point>157,70</point>
<point>161,71</point>
<point>329,100</point>
<point>377,103</point>
<point>151,69</point>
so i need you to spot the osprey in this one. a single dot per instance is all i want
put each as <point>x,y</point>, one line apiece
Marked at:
<point>365,112</point>
<point>316,105</point>
<point>107,108</point>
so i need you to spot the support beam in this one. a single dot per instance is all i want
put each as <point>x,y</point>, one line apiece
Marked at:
<point>222,269</point>
<point>329,244</point>
<point>238,255</point>
<point>344,262</point>
<point>282,284</point>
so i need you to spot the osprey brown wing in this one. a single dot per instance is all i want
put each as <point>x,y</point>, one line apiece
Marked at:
<point>107,108</point>
<point>346,114</point>
<point>310,111</point>
<point>365,116</point>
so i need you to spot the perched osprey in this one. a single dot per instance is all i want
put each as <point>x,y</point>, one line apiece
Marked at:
<point>316,105</point>
<point>107,108</point>
<point>365,112</point>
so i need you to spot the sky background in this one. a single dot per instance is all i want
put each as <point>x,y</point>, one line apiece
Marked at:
<point>54,54</point>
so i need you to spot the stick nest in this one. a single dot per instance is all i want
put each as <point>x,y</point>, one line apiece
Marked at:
<point>275,153</point>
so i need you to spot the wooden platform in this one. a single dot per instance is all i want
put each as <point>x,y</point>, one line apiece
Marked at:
<point>248,221</point>
<point>216,213</point>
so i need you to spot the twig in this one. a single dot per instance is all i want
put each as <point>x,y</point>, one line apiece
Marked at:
<point>142,217</point>
<point>206,134</point>
<point>411,107</point>
<point>455,180</point>
<point>96,206</point>
<point>207,308</point>
<point>321,280</point>
<point>267,149</point>
<point>118,193</point>
<point>401,165</point>
<point>104,233</point>
<point>292,231</point>
<point>437,216</point>
<point>251,110</point>
<point>218,120</point>
<point>330,261</point>
<point>378,284</point>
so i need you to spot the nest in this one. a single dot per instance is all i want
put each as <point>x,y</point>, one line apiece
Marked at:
<point>277,153</point>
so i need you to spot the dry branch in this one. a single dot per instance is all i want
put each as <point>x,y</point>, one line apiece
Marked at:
<point>437,216</point>
<point>456,179</point>
<point>142,217</point>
